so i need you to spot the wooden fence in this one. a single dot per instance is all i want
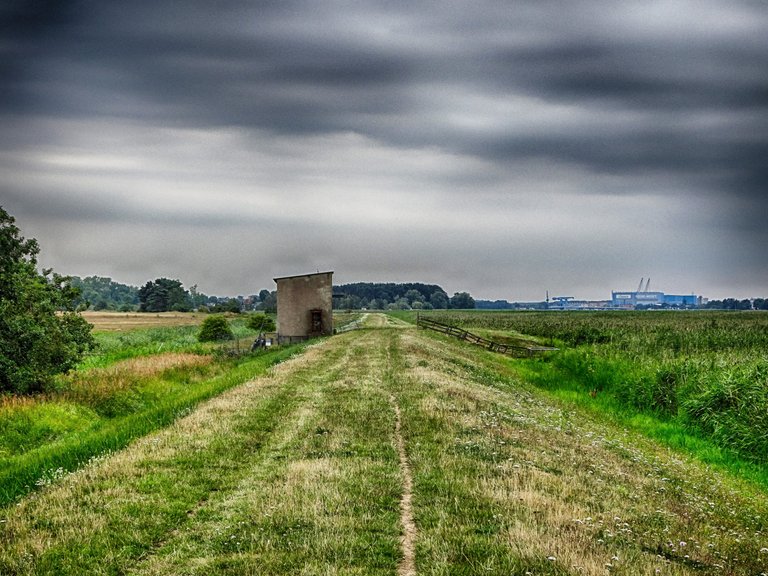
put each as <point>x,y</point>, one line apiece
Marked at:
<point>461,334</point>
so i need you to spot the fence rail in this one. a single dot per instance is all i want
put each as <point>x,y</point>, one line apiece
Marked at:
<point>461,334</point>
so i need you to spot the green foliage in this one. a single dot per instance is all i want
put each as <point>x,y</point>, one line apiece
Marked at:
<point>383,296</point>
<point>115,346</point>
<point>461,301</point>
<point>705,371</point>
<point>215,328</point>
<point>438,299</point>
<point>261,323</point>
<point>231,305</point>
<point>101,293</point>
<point>269,302</point>
<point>164,295</point>
<point>40,335</point>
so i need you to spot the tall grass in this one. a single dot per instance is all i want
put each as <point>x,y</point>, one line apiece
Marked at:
<point>137,382</point>
<point>704,371</point>
<point>114,346</point>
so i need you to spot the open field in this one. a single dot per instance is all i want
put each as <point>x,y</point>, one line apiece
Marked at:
<point>390,450</point>
<point>123,321</point>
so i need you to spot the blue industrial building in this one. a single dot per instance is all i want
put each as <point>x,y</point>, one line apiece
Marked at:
<point>645,298</point>
<point>656,299</point>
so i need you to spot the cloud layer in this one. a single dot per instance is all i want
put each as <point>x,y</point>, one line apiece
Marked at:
<point>502,148</point>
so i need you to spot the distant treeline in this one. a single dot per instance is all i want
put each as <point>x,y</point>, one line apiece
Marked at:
<point>403,296</point>
<point>162,295</point>
<point>734,304</point>
<point>167,295</point>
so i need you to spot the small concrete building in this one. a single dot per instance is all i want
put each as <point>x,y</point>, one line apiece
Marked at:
<point>304,307</point>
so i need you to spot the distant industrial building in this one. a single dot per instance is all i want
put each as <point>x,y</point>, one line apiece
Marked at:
<point>645,298</point>
<point>304,307</point>
<point>630,300</point>
<point>634,299</point>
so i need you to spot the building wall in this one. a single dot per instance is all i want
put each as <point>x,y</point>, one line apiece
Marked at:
<point>297,296</point>
<point>631,299</point>
<point>681,299</point>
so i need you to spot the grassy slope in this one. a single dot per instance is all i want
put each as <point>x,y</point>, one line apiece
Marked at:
<point>298,472</point>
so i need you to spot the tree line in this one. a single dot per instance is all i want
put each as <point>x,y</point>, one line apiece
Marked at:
<point>169,295</point>
<point>162,295</point>
<point>402,296</point>
<point>734,304</point>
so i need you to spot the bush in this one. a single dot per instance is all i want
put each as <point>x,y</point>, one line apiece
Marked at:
<point>40,335</point>
<point>261,323</point>
<point>215,328</point>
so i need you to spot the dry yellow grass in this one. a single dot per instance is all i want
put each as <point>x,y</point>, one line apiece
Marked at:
<point>123,321</point>
<point>148,366</point>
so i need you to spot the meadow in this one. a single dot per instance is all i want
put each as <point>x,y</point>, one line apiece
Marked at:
<point>391,450</point>
<point>684,376</point>
<point>147,371</point>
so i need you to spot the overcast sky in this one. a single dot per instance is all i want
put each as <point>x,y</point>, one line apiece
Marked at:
<point>501,147</point>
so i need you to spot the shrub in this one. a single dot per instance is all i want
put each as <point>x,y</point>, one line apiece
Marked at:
<point>215,328</point>
<point>261,323</point>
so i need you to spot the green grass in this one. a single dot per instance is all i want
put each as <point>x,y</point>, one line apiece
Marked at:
<point>294,473</point>
<point>299,472</point>
<point>113,346</point>
<point>98,410</point>
<point>703,373</point>
<point>510,480</point>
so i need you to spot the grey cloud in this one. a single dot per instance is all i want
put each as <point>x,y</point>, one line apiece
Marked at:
<point>616,98</point>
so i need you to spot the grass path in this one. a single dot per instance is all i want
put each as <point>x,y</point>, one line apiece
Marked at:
<point>388,451</point>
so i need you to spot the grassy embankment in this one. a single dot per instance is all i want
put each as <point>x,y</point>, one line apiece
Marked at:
<point>694,380</point>
<point>299,472</point>
<point>147,371</point>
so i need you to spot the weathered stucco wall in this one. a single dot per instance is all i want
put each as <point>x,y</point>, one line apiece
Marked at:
<point>297,296</point>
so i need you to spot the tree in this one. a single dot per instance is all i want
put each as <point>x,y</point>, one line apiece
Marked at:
<point>414,296</point>
<point>215,328</point>
<point>439,299</point>
<point>231,305</point>
<point>164,295</point>
<point>269,303</point>
<point>197,298</point>
<point>462,301</point>
<point>36,342</point>
<point>104,294</point>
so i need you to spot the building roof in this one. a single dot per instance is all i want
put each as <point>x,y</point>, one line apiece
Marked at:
<point>302,275</point>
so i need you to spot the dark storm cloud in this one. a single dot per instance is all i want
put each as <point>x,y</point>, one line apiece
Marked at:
<point>305,68</point>
<point>598,98</point>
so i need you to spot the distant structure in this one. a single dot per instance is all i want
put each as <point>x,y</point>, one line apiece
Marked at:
<point>304,307</point>
<point>644,297</point>
<point>560,302</point>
